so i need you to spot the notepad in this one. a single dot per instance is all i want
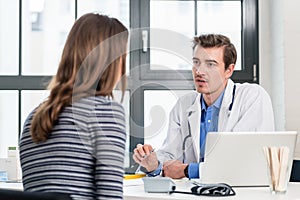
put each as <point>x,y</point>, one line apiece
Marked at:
<point>132,182</point>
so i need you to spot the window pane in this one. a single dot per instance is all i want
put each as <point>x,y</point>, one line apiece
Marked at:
<point>114,8</point>
<point>166,48</point>
<point>9,38</point>
<point>125,103</point>
<point>30,100</point>
<point>8,121</point>
<point>173,15</point>
<point>222,17</point>
<point>156,114</point>
<point>45,26</point>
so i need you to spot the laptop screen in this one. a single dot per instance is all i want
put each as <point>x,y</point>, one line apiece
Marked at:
<point>237,158</point>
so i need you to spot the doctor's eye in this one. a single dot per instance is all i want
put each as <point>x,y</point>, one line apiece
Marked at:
<point>196,62</point>
<point>210,64</point>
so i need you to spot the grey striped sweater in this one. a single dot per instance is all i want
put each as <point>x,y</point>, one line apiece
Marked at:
<point>84,155</point>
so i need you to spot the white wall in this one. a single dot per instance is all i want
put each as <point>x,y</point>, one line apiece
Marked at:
<point>279,34</point>
<point>292,66</point>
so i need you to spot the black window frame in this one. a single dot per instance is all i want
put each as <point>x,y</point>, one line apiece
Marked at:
<point>146,79</point>
<point>141,77</point>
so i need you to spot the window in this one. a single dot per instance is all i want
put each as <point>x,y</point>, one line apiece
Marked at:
<point>171,34</point>
<point>32,42</point>
<point>45,25</point>
<point>159,60</point>
<point>163,33</point>
<point>9,38</point>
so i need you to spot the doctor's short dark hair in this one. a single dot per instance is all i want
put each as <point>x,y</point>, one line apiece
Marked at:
<point>218,40</point>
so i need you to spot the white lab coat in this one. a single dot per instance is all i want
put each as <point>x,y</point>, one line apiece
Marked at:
<point>251,111</point>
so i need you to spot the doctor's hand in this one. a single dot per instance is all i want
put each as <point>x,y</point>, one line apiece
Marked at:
<point>174,169</point>
<point>146,157</point>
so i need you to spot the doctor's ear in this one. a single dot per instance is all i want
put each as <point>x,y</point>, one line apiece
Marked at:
<point>229,70</point>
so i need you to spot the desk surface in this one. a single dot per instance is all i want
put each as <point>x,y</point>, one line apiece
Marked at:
<point>11,185</point>
<point>136,191</point>
<point>242,193</point>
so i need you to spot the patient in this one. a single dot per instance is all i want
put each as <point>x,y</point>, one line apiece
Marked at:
<point>74,142</point>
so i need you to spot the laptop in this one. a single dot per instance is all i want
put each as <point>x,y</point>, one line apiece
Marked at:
<point>237,158</point>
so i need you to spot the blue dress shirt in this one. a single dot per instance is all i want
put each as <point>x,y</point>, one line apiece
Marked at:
<point>209,123</point>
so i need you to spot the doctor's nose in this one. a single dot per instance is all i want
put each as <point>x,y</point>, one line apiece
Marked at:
<point>198,69</point>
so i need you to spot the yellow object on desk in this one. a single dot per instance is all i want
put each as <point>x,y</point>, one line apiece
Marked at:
<point>134,176</point>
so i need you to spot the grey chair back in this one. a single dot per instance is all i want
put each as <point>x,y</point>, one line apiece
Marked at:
<point>295,174</point>
<point>24,195</point>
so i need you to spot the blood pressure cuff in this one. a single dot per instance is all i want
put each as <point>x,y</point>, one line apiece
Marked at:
<point>220,189</point>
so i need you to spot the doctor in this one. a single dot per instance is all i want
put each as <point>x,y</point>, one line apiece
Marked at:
<point>218,105</point>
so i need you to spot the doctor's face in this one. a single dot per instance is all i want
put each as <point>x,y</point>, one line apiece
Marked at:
<point>210,76</point>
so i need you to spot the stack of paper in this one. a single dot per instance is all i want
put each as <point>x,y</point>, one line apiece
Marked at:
<point>11,165</point>
<point>277,158</point>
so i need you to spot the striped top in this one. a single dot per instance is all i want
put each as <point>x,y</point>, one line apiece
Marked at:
<point>84,156</point>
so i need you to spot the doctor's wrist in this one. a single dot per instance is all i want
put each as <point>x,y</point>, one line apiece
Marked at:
<point>186,171</point>
<point>157,171</point>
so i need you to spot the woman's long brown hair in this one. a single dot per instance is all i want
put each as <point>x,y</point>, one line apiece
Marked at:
<point>93,56</point>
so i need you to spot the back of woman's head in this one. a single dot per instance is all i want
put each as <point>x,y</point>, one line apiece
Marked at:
<point>94,51</point>
<point>92,62</point>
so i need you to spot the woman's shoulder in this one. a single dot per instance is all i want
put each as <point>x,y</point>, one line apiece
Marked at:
<point>98,105</point>
<point>96,102</point>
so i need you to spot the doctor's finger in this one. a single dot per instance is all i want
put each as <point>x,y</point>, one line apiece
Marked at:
<point>139,154</point>
<point>136,159</point>
<point>140,150</point>
<point>147,148</point>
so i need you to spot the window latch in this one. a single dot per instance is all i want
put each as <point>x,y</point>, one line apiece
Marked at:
<point>254,73</point>
<point>145,40</point>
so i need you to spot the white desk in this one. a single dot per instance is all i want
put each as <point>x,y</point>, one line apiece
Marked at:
<point>246,193</point>
<point>11,185</point>
<point>254,193</point>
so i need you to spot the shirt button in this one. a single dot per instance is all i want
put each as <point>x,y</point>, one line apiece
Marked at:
<point>208,121</point>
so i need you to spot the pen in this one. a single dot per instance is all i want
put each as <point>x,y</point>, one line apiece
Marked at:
<point>144,157</point>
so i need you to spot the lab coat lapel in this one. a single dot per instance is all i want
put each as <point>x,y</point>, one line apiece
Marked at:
<point>194,116</point>
<point>224,111</point>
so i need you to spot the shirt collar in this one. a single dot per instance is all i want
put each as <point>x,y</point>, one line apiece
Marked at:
<point>217,103</point>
